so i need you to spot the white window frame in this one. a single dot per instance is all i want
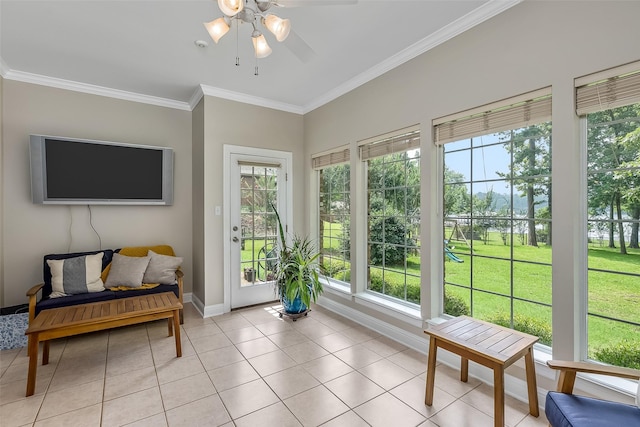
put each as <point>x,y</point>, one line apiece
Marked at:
<point>394,307</point>
<point>600,91</point>
<point>335,286</point>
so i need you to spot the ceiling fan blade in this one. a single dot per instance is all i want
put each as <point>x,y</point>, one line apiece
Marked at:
<point>299,47</point>
<point>298,3</point>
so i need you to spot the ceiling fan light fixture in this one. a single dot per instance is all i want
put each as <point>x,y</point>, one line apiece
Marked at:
<point>278,26</point>
<point>260,45</point>
<point>217,28</point>
<point>230,7</point>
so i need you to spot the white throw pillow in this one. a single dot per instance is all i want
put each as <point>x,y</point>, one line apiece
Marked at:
<point>161,269</point>
<point>78,275</point>
<point>127,271</point>
<point>638,395</point>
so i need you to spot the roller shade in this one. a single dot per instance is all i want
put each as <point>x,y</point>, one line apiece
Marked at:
<point>612,92</point>
<point>524,110</point>
<point>394,144</point>
<point>323,160</point>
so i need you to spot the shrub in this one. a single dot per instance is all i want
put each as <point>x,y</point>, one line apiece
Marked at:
<point>624,353</point>
<point>394,289</point>
<point>336,269</point>
<point>528,325</point>
<point>395,235</point>
<point>455,305</point>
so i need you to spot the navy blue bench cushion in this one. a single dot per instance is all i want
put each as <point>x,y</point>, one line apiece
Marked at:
<point>47,303</point>
<point>46,273</point>
<point>569,410</point>
<point>106,295</point>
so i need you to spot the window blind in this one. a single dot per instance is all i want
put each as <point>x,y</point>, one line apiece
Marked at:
<point>323,160</point>
<point>611,92</point>
<point>513,113</point>
<point>390,145</point>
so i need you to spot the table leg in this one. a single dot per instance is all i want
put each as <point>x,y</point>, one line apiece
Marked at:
<point>431,372</point>
<point>170,325</point>
<point>33,364</point>
<point>531,382</point>
<point>498,396</point>
<point>45,352</point>
<point>464,369</point>
<point>176,327</point>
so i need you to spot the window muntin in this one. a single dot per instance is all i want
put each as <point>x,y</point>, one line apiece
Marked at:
<point>497,228</point>
<point>393,216</point>
<point>613,219</point>
<point>334,222</point>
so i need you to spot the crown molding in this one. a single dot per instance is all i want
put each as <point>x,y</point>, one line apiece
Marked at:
<point>459,26</point>
<point>94,89</point>
<point>249,99</point>
<point>196,97</point>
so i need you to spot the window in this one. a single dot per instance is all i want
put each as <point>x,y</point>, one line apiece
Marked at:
<point>334,214</point>
<point>611,107</point>
<point>497,213</point>
<point>393,210</point>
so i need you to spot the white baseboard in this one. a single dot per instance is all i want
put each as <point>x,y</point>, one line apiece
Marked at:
<point>413,341</point>
<point>206,311</point>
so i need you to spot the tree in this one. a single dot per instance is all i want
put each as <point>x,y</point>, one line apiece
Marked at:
<point>607,154</point>
<point>394,205</point>
<point>629,178</point>
<point>398,177</point>
<point>456,196</point>
<point>334,203</point>
<point>530,150</point>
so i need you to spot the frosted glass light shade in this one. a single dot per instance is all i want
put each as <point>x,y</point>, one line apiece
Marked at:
<point>230,7</point>
<point>278,26</point>
<point>217,28</point>
<point>260,45</point>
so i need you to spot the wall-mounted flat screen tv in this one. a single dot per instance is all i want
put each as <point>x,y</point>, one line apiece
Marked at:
<point>84,172</point>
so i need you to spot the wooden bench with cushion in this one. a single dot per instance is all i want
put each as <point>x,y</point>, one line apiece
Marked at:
<point>85,277</point>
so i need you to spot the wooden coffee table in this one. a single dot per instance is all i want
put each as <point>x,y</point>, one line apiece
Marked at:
<point>490,345</point>
<point>98,316</point>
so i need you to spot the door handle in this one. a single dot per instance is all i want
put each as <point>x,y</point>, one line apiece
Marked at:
<point>235,239</point>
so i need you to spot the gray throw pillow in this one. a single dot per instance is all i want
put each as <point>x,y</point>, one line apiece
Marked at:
<point>161,269</point>
<point>127,271</point>
<point>77,275</point>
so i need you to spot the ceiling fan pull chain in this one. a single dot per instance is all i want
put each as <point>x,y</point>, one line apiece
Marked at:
<point>255,73</point>
<point>237,57</point>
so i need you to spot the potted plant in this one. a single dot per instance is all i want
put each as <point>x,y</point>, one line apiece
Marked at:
<point>296,272</point>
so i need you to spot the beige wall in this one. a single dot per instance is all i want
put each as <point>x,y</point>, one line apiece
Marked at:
<point>530,46</point>
<point>31,231</point>
<point>233,123</point>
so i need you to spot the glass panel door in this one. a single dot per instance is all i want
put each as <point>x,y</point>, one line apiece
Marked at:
<point>256,189</point>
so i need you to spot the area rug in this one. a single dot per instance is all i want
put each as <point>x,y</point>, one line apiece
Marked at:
<point>12,327</point>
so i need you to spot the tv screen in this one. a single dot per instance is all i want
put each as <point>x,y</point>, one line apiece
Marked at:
<point>74,171</point>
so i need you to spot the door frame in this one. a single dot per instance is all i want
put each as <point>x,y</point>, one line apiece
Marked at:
<point>228,151</point>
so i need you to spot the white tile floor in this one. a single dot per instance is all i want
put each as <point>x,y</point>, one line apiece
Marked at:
<point>247,368</point>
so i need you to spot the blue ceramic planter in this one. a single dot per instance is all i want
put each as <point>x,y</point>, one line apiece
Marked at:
<point>294,307</point>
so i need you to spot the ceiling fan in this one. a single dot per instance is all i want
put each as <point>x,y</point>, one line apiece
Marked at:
<point>256,11</point>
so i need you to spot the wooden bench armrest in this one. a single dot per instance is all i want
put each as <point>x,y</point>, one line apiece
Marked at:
<point>568,371</point>
<point>179,279</point>
<point>32,294</point>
